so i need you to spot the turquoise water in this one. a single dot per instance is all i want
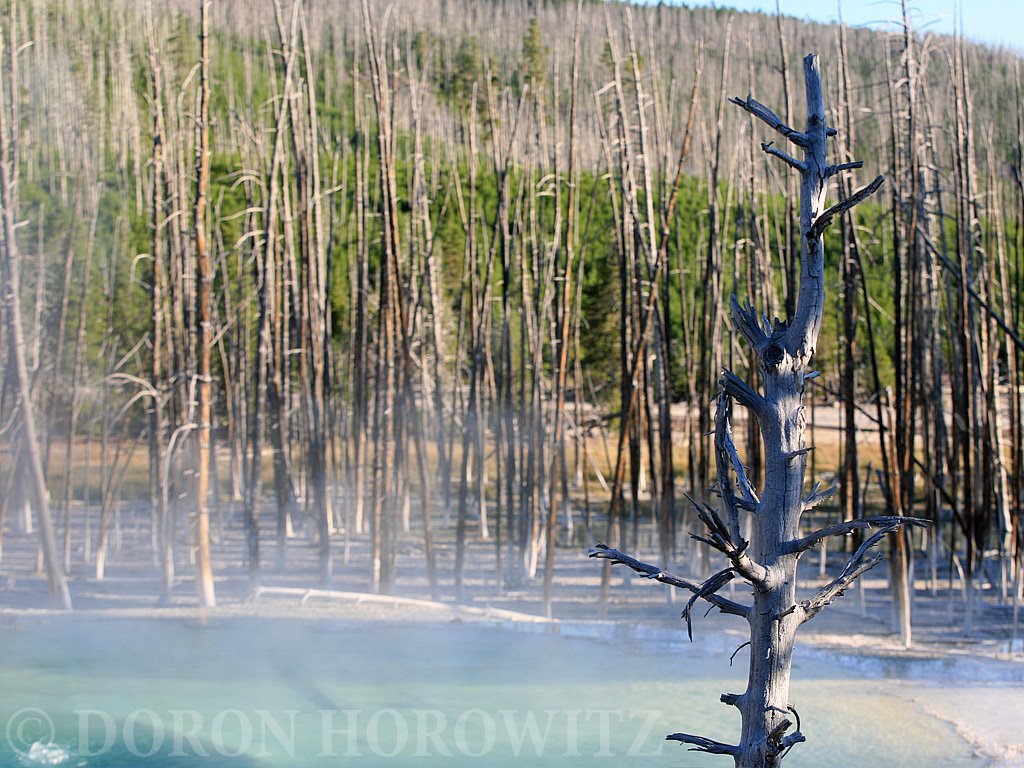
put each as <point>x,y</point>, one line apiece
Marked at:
<point>240,692</point>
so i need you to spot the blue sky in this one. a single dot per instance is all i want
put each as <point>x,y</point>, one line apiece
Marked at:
<point>988,21</point>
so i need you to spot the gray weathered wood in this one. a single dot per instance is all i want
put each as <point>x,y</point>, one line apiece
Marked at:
<point>10,273</point>
<point>769,562</point>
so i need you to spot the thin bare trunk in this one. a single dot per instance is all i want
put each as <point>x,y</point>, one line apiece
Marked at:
<point>204,293</point>
<point>36,481</point>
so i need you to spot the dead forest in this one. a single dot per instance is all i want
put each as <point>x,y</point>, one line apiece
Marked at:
<point>397,284</point>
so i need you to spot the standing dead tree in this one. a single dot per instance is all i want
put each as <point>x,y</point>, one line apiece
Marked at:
<point>204,272</point>
<point>10,279</point>
<point>158,493</point>
<point>769,562</point>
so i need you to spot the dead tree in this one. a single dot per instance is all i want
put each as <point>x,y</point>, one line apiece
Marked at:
<point>769,562</point>
<point>10,279</point>
<point>204,270</point>
<point>158,493</point>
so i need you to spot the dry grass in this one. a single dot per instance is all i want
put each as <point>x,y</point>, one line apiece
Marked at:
<point>133,462</point>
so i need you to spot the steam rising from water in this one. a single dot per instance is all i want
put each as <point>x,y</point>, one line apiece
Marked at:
<point>241,692</point>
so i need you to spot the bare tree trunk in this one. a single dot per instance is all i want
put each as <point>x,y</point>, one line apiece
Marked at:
<point>313,301</point>
<point>75,406</point>
<point>791,266</point>
<point>60,332</point>
<point>36,482</point>
<point>394,343</point>
<point>108,352</point>
<point>632,358</point>
<point>769,562</point>
<point>360,291</point>
<point>158,494</point>
<point>712,317</point>
<point>204,337</point>
<point>849,474</point>
<point>565,303</point>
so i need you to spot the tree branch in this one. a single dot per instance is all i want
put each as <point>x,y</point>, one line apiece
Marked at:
<point>731,698</point>
<point>720,539</point>
<point>836,588</point>
<point>816,497</point>
<point>777,733</point>
<point>791,455</point>
<point>826,216</point>
<point>848,527</point>
<point>832,170</point>
<point>723,604</point>
<point>741,392</point>
<point>701,744</point>
<point>749,506</point>
<point>769,118</point>
<point>708,588</point>
<point>724,444</point>
<point>779,743</point>
<point>788,159</point>
<point>746,322</point>
<point>857,565</point>
<point>726,455</point>
<point>791,741</point>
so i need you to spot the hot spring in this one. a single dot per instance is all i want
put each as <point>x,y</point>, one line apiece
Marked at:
<point>89,691</point>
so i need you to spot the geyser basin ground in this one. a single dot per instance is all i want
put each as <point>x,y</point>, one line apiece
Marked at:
<point>89,691</point>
